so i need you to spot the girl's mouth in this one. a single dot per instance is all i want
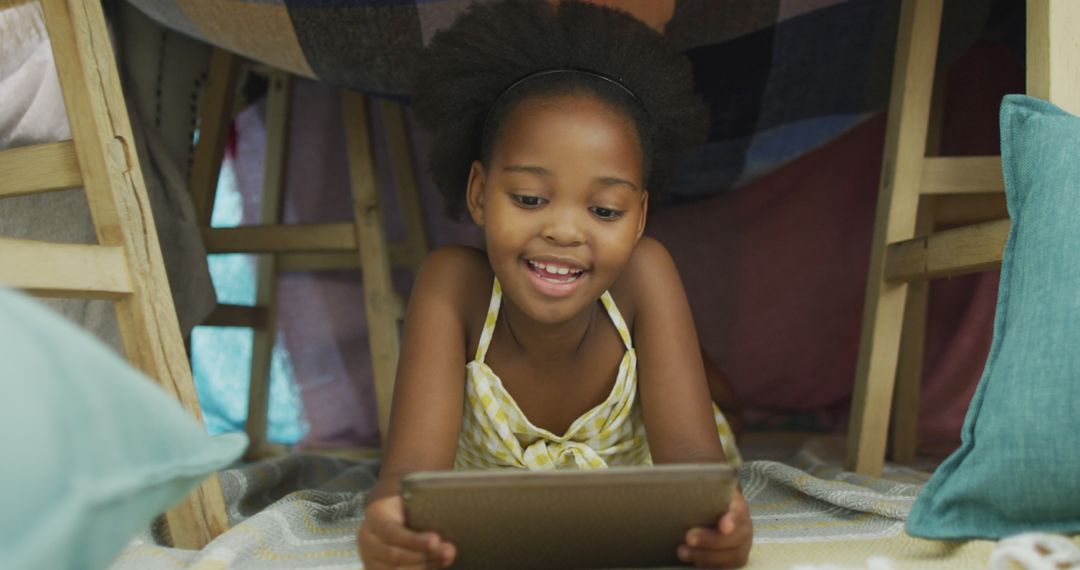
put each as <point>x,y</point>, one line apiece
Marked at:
<point>554,279</point>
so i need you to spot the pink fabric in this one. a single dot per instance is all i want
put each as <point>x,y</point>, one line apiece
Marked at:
<point>776,271</point>
<point>776,274</point>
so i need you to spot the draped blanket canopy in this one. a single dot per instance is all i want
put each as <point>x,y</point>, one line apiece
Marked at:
<point>781,76</point>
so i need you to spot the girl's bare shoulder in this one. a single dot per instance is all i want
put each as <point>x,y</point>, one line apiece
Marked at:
<point>458,277</point>
<point>650,271</point>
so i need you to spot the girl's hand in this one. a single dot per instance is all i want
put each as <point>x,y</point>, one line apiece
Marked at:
<point>727,545</point>
<point>384,542</point>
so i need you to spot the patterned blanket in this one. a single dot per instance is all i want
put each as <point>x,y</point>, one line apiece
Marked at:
<point>781,76</point>
<point>302,511</point>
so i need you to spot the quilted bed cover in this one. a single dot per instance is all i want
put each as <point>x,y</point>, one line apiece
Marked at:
<point>302,511</point>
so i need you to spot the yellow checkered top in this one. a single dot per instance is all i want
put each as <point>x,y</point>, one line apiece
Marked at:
<point>495,432</point>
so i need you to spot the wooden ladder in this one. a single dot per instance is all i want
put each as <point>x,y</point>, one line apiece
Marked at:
<point>360,244</point>
<point>126,265</point>
<point>905,251</point>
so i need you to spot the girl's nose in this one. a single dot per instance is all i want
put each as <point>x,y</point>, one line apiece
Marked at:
<point>563,231</point>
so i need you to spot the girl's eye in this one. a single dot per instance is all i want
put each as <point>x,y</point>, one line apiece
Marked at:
<point>606,214</point>
<point>528,201</point>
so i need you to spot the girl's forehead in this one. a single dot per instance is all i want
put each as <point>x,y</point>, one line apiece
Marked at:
<point>558,122</point>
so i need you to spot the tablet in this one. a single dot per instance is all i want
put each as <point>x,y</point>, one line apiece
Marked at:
<point>616,517</point>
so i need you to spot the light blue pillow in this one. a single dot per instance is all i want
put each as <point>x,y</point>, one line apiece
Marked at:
<point>92,449</point>
<point>1018,467</point>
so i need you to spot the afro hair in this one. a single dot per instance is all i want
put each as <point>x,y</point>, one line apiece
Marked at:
<point>460,89</point>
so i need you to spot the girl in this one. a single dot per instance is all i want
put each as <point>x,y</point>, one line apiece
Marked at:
<point>569,342</point>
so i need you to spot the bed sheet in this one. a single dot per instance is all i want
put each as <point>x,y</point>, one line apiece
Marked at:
<point>302,511</point>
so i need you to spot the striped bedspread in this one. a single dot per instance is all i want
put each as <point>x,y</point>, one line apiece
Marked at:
<point>302,511</point>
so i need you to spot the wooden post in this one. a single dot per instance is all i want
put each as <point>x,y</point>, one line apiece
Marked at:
<point>120,210</point>
<point>1053,52</point>
<point>380,302</point>
<point>909,369</point>
<point>214,121</point>
<point>898,196</point>
<point>278,108</point>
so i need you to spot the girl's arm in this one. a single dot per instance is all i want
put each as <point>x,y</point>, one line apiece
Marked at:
<point>675,401</point>
<point>429,392</point>
<point>426,415</point>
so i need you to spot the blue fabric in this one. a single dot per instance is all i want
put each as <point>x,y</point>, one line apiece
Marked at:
<point>93,449</point>
<point>1018,464</point>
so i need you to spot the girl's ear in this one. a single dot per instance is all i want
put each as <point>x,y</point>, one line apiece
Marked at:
<point>644,213</point>
<point>474,194</point>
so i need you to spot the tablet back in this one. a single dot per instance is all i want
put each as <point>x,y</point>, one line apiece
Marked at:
<point>618,517</point>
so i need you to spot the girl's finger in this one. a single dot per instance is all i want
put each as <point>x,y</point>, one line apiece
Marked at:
<point>398,557</point>
<point>707,538</point>
<point>706,558</point>
<point>395,534</point>
<point>378,554</point>
<point>737,511</point>
<point>446,554</point>
<point>727,523</point>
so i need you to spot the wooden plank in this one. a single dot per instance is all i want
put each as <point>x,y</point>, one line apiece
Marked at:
<point>39,168</point>
<point>336,261</point>
<point>909,370</point>
<point>904,433</point>
<point>958,209</point>
<point>905,412</point>
<point>293,238</point>
<point>1053,52</point>
<point>905,151</point>
<point>962,175</point>
<point>948,253</point>
<point>119,208</point>
<point>416,244</point>
<point>278,107</point>
<point>317,261</point>
<point>64,270</point>
<point>246,316</point>
<point>379,297</point>
<point>215,119</point>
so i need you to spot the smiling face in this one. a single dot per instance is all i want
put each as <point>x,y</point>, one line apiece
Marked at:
<point>561,202</point>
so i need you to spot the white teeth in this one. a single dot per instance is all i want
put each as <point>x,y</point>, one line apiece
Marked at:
<point>554,270</point>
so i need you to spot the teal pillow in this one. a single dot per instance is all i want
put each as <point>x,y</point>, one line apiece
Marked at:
<point>1018,466</point>
<point>92,449</point>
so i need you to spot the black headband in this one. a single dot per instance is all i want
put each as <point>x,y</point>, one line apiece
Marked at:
<point>552,71</point>
<point>555,70</point>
